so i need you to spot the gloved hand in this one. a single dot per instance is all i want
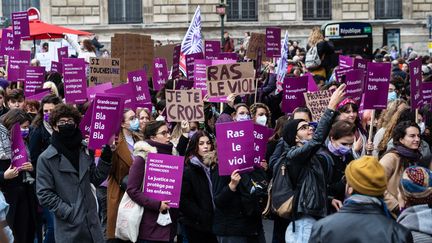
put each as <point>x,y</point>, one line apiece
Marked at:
<point>106,154</point>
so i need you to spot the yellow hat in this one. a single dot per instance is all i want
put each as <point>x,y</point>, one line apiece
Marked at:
<point>366,176</point>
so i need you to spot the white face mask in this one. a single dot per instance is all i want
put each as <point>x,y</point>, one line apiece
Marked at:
<point>262,120</point>
<point>243,117</point>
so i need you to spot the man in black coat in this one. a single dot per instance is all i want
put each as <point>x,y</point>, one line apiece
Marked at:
<point>364,217</point>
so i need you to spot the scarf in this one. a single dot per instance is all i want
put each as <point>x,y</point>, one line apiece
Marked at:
<point>410,154</point>
<point>417,218</point>
<point>68,146</point>
<point>48,127</point>
<point>5,144</point>
<point>194,160</point>
<point>367,200</point>
<point>161,147</point>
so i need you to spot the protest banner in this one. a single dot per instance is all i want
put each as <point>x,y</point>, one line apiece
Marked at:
<point>166,52</point>
<point>345,62</point>
<point>200,74</point>
<point>426,88</point>
<point>228,56</point>
<point>340,74</point>
<point>415,83</point>
<point>184,105</point>
<point>85,122</point>
<point>377,84</point>
<point>261,138</point>
<point>39,96</point>
<point>106,118</point>
<point>62,52</point>
<point>92,91</point>
<point>34,78</point>
<point>40,90</point>
<point>2,61</point>
<point>219,62</point>
<point>127,91</point>
<point>190,62</point>
<point>163,178</point>
<point>235,142</point>
<point>18,148</point>
<point>212,49</point>
<point>360,63</point>
<point>183,84</point>
<point>160,73</point>
<point>8,42</point>
<point>139,82</point>
<point>176,62</point>
<point>317,102</point>
<point>312,86</point>
<point>225,79</point>
<point>104,70</point>
<point>293,89</point>
<point>20,25</point>
<point>273,42</point>
<point>354,80</point>
<point>256,41</point>
<point>75,81</point>
<point>57,67</point>
<point>17,62</point>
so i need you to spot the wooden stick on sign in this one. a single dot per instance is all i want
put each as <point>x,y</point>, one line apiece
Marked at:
<point>369,152</point>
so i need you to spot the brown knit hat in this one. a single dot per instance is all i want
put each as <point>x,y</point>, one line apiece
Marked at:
<point>366,176</point>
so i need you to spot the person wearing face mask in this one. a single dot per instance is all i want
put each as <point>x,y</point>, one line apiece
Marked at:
<point>260,114</point>
<point>65,173</point>
<point>392,95</point>
<point>241,112</point>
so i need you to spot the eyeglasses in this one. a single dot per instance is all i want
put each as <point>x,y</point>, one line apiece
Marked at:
<point>63,122</point>
<point>304,127</point>
<point>163,133</point>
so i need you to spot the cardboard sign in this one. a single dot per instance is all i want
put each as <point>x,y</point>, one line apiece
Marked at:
<point>212,49</point>
<point>190,63</point>
<point>293,89</point>
<point>18,148</point>
<point>62,53</point>
<point>261,137</point>
<point>166,52</point>
<point>415,83</point>
<point>160,73</point>
<point>235,146</point>
<point>140,86</point>
<point>256,41</point>
<point>377,84</point>
<point>92,91</point>
<point>104,70</point>
<point>17,62</point>
<point>106,117</point>
<point>184,105</point>
<point>163,178</point>
<point>57,67</point>
<point>34,78</point>
<point>8,42</point>
<point>345,62</point>
<point>20,25</point>
<point>176,62</point>
<point>317,102</point>
<point>75,81</point>
<point>354,80</point>
<point>273,42</point>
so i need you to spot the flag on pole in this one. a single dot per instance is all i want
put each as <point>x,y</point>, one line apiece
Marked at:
<point>282,65</point>
<point>192,42</point>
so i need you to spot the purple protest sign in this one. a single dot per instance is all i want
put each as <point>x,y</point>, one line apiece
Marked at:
<point>273,42</point>
<point>293,89</point>
<point>200,77</point>
<point>415,83</point>
<point>92,91</point>
<point>39,96</point>
<point>228,56</point>
<point>62,52</point>
<point>261,137</point>
<point>360,63</point>
<point>34,78</point>
<point>127,91</point>
<point>20,25</point>
<point>183,84</point>
<point>85,122</point>
<point>160,73</point>
<point>219,62</point>
<point>235,146</point>
<point>18,60</point>
<point>8,42</point>
<point>377,84</point>
<point>354,80</point>
<point>18,148</point>
<point>312,86</point>
<point>140,86</point>
<point>176,62</point>
<point>56,67</point>
<point>75,81</point>
<point>190,61</point>
<point>106,117</point>
<point>2,61</point>
<point>340,73</point>
<point>345,61</point>
<point>426,88</point>
<point>164,184</point>
<point>212,49</point>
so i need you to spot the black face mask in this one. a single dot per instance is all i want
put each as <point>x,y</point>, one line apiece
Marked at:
<point>67,130</point>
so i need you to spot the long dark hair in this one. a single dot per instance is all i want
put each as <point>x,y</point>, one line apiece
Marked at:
<point>399,131</point>
<point>192,149</point>
<point>13,116</point>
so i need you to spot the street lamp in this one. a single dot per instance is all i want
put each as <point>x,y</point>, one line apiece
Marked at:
<point>220,9</point>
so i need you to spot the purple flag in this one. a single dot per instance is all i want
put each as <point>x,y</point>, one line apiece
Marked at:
<point>200,75</point>
<point>345,61</point>
<point>18,60</point>
<point>190,62</point>
<point>415,83</point>
<point>377,84</point>
<point>56,67</point>
<point>228,56</point>
<point>293,89</point>
<point>261,137</point>
<point>235,142</point>
<point>85,123</point>
<point>160,73</point>
<point>163,178</point>
<point>354,80</point>
<point>34,78</point>
<point>20,25</point>
<point>360,63</point>
<point>273,42</point>
<point>75,81</point>
<point>106,118</point>
<point>140,86</point>
<point>62,52</point>
<point>39,96</point>
<point>18,148</point>
<point>212,49</point>
<point>8,42</point>
<point>92,91</point>
<point>176,61</point>
<point>340,73</point>
<point>127,91</point>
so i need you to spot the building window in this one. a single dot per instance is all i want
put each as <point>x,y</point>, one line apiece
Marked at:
<point>388,9</point>
<point>242,10</point>
<point>316,9</point>
<point>11,6</point>
<point>125,11</point>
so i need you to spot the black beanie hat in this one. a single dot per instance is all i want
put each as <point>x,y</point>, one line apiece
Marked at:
<point>290,131</point>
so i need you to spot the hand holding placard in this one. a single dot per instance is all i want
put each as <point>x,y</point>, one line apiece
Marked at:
<point>337,97</point>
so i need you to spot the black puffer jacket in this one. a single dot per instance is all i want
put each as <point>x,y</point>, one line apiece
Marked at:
<point>360,224</point>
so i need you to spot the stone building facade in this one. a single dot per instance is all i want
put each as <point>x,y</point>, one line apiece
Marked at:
<point>167,20</point>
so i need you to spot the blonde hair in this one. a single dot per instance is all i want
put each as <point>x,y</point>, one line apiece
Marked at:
<point>315,36</point>
<point>382,146</point>
<point>52,86</point>
<point>387,115</point>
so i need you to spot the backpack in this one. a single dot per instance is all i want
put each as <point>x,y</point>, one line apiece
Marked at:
<point>312,59</point>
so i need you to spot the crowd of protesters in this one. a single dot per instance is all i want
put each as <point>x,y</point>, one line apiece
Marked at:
<point>347,186</point>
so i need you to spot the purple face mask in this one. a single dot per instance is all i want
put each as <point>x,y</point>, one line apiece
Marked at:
<point>46,117</point>
<point>342,150</point>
